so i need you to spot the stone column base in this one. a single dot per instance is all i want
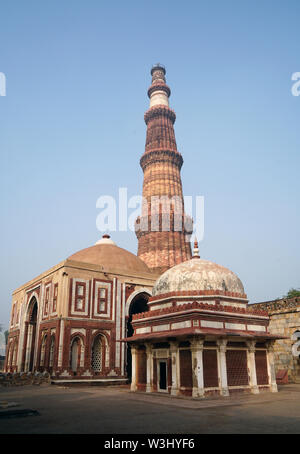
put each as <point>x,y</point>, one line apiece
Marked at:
<point>224,392</point>
<point>273,388</point>
<point>198,392</point>
<point>254,389</point>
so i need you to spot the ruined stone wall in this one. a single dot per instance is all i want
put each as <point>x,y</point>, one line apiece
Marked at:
<point>284,320</point>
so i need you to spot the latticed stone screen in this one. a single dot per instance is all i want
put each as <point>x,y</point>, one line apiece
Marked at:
<point>186,369</point>
<point>97,355</point>
<point>237,372</point>
<point>261,367</point>
<point>210,369</point>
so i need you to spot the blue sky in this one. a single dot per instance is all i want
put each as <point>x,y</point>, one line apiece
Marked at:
<point>72,128</point>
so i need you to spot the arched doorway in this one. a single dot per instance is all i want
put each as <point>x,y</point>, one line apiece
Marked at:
<point>51,355</point>
<point>137,305</point>
<point>43,352</point>
<point>75,352</point>
<point>31,334</point>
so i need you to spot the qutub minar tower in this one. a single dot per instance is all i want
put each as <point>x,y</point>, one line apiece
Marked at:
<point>164,320</point>
<point>162,246</point>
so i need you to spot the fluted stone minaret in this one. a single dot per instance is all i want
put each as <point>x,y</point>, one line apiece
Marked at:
<point>163,230</point>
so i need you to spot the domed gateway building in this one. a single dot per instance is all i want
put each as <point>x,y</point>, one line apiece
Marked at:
<point>164,320</point>
<point>69,320</point>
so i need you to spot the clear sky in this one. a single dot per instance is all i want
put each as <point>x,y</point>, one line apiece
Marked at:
<point>72,128</point>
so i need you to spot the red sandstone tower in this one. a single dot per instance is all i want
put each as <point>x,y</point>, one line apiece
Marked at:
<point>163,230</point>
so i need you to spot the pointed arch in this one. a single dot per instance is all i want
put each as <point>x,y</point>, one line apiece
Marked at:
<point>77,345</point>
<point>133,295</point>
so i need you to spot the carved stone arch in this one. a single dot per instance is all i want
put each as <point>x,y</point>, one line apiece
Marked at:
<point>52,350</point>
<point>33,300</point>
<point>133,295</point>
<point>10,350</point>
<point>30,341</point>
<point>135,304</point>
<point>106,347</point>
<point>44,339</point>
<point>79,339</point>
<point>296,346</point>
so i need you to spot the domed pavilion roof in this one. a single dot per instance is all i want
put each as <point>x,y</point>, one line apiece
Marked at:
<point>106,253</point>
<point>197,274</point>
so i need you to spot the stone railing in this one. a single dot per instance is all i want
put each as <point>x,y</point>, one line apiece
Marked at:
<point>277,305</point>
<point>199,305</point>
<point>199,293</point>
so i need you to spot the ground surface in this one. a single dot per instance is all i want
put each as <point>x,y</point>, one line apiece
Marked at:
<point>115,410</point>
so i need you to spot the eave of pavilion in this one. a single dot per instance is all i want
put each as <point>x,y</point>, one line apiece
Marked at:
<point>200,332</point>
<point>188,310</point>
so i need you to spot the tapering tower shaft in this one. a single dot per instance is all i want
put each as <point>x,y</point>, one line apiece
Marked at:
<point>163,230</point>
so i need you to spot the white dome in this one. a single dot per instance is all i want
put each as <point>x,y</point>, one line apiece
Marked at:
<point>197,274</point>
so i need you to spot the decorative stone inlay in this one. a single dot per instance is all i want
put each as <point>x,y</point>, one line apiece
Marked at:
<point>256,328</point>
<point>146,329</point>
<point>238,326</point>
<point>161,328</point>
<point>180,325</point>
<point>209,324</point>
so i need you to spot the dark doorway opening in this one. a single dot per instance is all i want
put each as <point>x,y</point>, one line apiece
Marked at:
<point>32,327</point>
<point>163,375</point>
<point>138,305</point>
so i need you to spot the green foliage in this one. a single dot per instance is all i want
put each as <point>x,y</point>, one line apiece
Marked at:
<point>292,293</point>
<point>6,335</point>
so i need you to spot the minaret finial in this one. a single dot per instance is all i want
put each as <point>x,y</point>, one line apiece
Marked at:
<point>196,250</point>
<point>159,91</point>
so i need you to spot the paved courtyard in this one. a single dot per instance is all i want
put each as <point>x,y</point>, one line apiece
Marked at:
<point>115,410</point>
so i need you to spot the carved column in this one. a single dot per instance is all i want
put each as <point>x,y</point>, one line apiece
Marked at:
<point>28,348</point>
<point>271,368</point>
<point>174,350</point>
<point>197,367</point>
<point>149,385</point>
<point>252,367</point>
<point>60,343</point>
<point>222,369</point>
<point>134,354</point>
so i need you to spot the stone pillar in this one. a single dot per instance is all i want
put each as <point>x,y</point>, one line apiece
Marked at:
<point>149,384</point>
<point>28,348</point>
<point>222,369</point>
<point>174,350</point>
<point>197,367</point>
<point>251,366</point>
<point>134,354</point>
<point>271,368</point>
<point>60,343</point>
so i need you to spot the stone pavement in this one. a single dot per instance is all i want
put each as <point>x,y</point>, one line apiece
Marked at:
<point>52,409</point>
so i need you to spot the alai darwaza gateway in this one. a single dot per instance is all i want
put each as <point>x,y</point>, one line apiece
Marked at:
<point>164,320</point>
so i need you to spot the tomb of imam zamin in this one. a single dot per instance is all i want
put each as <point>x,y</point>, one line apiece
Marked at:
<point>165,320</point>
